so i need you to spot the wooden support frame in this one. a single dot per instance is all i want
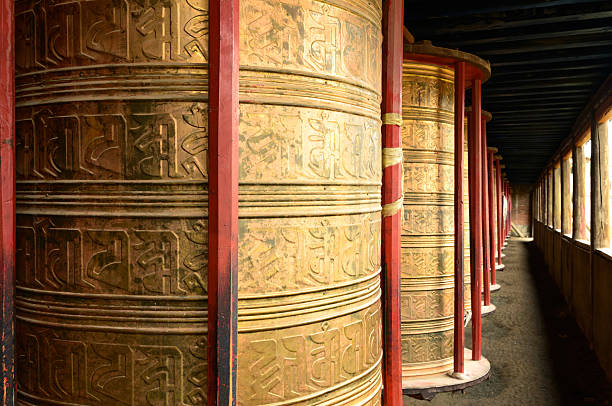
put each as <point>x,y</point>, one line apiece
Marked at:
<point>579,220</point>
<point>566,219</point>
<point>7,200</point>
<point>459,328</point>
<point>393,20</point>
<point>475,179</point>
<point>600,186</point>
<point>223,202</point>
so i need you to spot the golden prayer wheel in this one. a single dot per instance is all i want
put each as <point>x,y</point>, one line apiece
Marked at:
<point>428,235</point>
<point>112,166</point>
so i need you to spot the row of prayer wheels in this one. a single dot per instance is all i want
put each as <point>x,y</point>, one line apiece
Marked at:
<point>112,191</point>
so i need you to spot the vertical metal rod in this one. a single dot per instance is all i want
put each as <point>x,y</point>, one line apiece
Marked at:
<point>492,247</point>
<point>7,200</point>
<point>499,210</point>
<point>393,17</point>
<point>223,202</point>
<point>459,329</point>
<point>486,265</point>
<point>475,179</point>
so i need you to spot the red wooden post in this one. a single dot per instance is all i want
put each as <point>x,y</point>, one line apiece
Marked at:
<point>459,329</point>
<point>475,177</point>
<point>393,17</point>
<point>500,239</point>
<point>490,160</point>
<point>486,269</point>
<point>7,199</point>
<point>223,202</point>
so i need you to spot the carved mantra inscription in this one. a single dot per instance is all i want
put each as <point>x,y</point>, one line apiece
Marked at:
<point>427,253</point>
<point>112,188</point>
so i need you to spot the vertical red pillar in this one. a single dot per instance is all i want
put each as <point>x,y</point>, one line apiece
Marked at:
<point>486,265</point>
<point>500,239</point>
<point>459,329</point>
<point>475,179</point>
<point>492,247</point>
<point>393,17</point>
<point>7,199</point>
<point>223,202</point>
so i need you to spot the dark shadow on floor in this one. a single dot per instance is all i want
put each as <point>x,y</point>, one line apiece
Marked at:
<point>538,354</point>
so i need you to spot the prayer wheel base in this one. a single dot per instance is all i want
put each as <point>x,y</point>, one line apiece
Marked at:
<point>500,267</point>
<point>495,288</point>
<point>428,387</point>
<point>486,310</point>
<point>503,255</point>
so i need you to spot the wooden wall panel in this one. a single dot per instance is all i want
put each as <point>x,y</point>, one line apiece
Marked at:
<point>602,310</point>
<point>581,288</point>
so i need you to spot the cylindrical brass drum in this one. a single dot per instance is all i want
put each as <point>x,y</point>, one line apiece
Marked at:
<point>112,165</point>
<point>427,236</point>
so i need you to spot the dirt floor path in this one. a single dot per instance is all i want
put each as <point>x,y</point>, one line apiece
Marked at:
<point>538,354</point>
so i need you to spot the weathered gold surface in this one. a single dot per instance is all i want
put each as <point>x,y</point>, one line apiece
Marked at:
<point>112,202</point>
<point>427,234</point>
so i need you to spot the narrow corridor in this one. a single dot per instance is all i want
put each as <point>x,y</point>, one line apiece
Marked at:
<point>538,354</point>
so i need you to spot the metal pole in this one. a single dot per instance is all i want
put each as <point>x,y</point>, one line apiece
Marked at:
<point>223,202</point>
<point>475,178</point>
<point>486,269</point>
<point>393,17</point>
<point>7,199</point>
<point>459,329</point>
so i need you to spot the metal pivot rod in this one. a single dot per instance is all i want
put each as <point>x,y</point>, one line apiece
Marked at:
<point>393,17</point>
<point>492,211</point>
<point>459,329</point>
<point>475,179</point>
<point>223,203</point>
<point>499,209</point>
<point>7,200</point>
<point>486,267</point>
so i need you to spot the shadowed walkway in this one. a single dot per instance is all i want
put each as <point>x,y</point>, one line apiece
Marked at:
<point>538,354</point>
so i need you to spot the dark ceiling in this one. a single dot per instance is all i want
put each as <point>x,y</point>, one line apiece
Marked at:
<point>547,59</point>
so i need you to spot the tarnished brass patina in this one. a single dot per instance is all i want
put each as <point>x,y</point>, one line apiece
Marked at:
<point>112,202</point>
<point>427,235</point>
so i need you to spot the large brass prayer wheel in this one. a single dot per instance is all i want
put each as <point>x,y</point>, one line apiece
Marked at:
<point>112,166</point>
<point>427,235</point>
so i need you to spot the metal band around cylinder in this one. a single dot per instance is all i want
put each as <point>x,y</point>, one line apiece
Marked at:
<point>392,119</point>
<point>390,157</point>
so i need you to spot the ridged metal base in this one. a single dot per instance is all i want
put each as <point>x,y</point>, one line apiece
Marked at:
<point>428,387</point>
<point>495,288</point>
<point>500,267</point>
<point>486,310</point>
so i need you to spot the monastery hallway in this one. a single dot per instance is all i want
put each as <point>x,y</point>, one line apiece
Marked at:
<point>538,354</point>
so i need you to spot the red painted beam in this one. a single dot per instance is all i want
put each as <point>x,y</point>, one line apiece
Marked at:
<point>486,265</point>
<point>223,202</point>
<point>393,18</point>
<point>500,239</point>
<point>7,200</point>
<point>491,174</point>
<point>459,329</point>
<point>475,179</point>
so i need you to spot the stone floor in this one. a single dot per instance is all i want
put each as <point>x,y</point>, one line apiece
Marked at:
<point>538,354</point>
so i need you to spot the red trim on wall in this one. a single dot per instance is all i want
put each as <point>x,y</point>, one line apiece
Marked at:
<point>223,202</point>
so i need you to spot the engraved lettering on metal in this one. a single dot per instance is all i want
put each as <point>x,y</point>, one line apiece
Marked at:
<point>427,237</point>
<point>112,166</point>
